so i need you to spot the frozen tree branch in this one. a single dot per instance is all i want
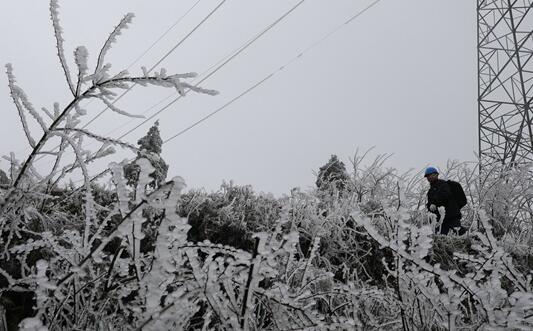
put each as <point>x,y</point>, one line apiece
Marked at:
<point>58,33</point>
<point>123,24</point>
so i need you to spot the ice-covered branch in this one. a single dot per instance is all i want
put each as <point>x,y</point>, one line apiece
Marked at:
<point>117,110</point>
<point>37,147</point>
<point>15,94</point>
<point>172,81</point>
<point>81,56</point>
<point>105,140</point>
<point>123,24</point>
<point>58,33</point>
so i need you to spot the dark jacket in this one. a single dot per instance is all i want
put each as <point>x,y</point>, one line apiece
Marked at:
<point>440,195</point>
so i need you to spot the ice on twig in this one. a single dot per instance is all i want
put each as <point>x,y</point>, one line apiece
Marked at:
<point>54,15</point>
<point>123,24</point>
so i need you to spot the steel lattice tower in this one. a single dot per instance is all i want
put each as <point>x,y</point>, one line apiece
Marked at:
<point>505,81</point>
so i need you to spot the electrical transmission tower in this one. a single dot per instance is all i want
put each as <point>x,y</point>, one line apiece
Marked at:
<point>505,81</point>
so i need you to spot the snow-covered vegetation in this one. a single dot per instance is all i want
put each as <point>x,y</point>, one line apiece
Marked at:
<point>129,249</point>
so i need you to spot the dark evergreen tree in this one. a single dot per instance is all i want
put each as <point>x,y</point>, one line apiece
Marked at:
<point>332,174</point>
<point>150,148</point>
<point>4,180</point>
<point>152,142</point>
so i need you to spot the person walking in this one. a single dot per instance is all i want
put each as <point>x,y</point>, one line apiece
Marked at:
<point>440,195</point>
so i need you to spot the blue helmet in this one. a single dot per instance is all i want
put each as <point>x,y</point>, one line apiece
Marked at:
<point>430,170</point>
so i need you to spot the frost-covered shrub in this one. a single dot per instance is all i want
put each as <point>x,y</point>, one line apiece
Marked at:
<point>488,292</point>
<point>230,216</point>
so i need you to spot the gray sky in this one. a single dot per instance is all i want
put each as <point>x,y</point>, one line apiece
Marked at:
<point>401,77</point>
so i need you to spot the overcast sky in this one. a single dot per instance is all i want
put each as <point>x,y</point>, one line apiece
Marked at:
<point>401,77</point>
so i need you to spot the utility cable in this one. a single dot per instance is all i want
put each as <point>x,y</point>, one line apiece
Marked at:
<point>163,35</point>
<point>208,70</point>
<point>253,40</point>
<point>251,88</point>
<point>283,67</point>
<point>221,63</point>
<point>267,77</point>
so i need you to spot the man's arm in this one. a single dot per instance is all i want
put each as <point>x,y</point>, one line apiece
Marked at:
<point>430,205</point>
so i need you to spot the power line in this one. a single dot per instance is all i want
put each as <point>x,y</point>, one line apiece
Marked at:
<point>251,88</point>
<point>267,77</point>
<point>248,44</point>
<point>163,35</point>
<point>188,35</point>
<point>224,61</point>
<point>219,65</point>
<point>169,96</point>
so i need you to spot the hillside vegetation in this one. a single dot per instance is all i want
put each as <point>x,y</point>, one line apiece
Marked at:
<point>129,248</point>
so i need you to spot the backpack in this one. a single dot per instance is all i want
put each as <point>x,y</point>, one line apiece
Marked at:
<point>458,193</point>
